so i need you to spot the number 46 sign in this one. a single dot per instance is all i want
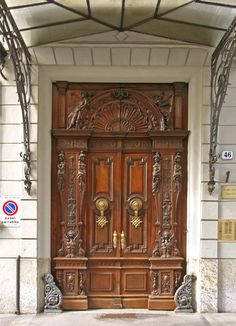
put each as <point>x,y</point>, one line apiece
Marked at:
<point>227,155</point>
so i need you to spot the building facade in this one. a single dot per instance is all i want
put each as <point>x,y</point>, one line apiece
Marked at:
<point>101,59</point>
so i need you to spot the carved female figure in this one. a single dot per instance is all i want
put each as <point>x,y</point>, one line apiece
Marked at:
<point>70,243</point>
<point>75,115</point>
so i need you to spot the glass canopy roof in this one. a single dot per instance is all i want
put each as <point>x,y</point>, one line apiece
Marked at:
<point>197,21</point>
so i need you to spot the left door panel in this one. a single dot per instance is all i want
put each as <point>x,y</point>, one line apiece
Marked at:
<point>102,200</point>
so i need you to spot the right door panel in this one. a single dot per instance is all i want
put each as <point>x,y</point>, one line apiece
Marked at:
<point>135,204</point>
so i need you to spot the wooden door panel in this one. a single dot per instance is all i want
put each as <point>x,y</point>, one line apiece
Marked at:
<point>136,207</point>
<point>136,176</point>
<point>103,282</point>
<point>103,176</point>
<point>102,220</point>
<point>134,281</point>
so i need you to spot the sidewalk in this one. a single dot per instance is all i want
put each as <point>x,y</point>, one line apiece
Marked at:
<point>129,317</point>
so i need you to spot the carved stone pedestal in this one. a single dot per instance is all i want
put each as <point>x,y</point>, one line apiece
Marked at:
<point>71,278</point>
<point>166,276</point>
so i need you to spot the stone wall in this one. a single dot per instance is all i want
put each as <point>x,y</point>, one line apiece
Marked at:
<point>218,258</point>
<point>22,240</point>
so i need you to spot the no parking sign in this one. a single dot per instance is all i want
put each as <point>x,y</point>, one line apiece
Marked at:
<point>10,211</point>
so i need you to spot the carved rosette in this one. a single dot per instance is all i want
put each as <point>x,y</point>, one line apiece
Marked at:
<point>61,171</point>
<point>53,295</point>
<point>183,296</point>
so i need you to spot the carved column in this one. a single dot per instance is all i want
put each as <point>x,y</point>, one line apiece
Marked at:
<point>71,265</point>
<point>73,225</point>
<point>177,188</point>
<point>156,181</point>
<point>61,174</point>
<point>82,180</point>
<point>166,237</point>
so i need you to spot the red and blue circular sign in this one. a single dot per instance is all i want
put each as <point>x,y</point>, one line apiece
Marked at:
<point>10,207</point>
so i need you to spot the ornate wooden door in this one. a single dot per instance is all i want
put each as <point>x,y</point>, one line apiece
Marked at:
<point>119,194</point>
<point>118,228</point>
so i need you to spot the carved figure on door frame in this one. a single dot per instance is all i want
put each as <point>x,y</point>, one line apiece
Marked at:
<point>70,243</point>
<point>177,177</point>
<point>82,172</point>
<point>61,170</point>
<point>156,173</point>
<point>164,103</point>
<point>75,115</point>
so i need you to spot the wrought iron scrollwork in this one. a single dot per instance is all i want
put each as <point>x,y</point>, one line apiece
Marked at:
<point>21,60</point>
<point>183,295</point>
<point>53,295</point>
<point>221,63</point>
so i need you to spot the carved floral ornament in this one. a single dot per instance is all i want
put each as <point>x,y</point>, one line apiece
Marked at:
<point>122,110</point>
<point>72,241</point>
<point>166,243</point>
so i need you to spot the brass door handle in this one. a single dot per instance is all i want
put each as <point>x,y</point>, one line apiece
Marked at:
<point>135,204</point>
<point>122,240</point>
<point>115,239</point>
<point>101,205</point>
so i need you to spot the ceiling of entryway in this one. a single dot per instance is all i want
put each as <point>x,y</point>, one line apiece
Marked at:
<point>197,21</point>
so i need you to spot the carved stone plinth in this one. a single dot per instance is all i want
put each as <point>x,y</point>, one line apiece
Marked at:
<point>183,296</point>
<point>53,295</point>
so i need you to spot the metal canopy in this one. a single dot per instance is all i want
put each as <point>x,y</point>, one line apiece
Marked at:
<point>197,21</point>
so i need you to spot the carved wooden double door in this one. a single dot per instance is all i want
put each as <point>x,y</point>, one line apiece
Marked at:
<point>119,194</point>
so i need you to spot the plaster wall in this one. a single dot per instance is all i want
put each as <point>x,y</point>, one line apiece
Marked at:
<point>218,259</point>
<point>22,240</point>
